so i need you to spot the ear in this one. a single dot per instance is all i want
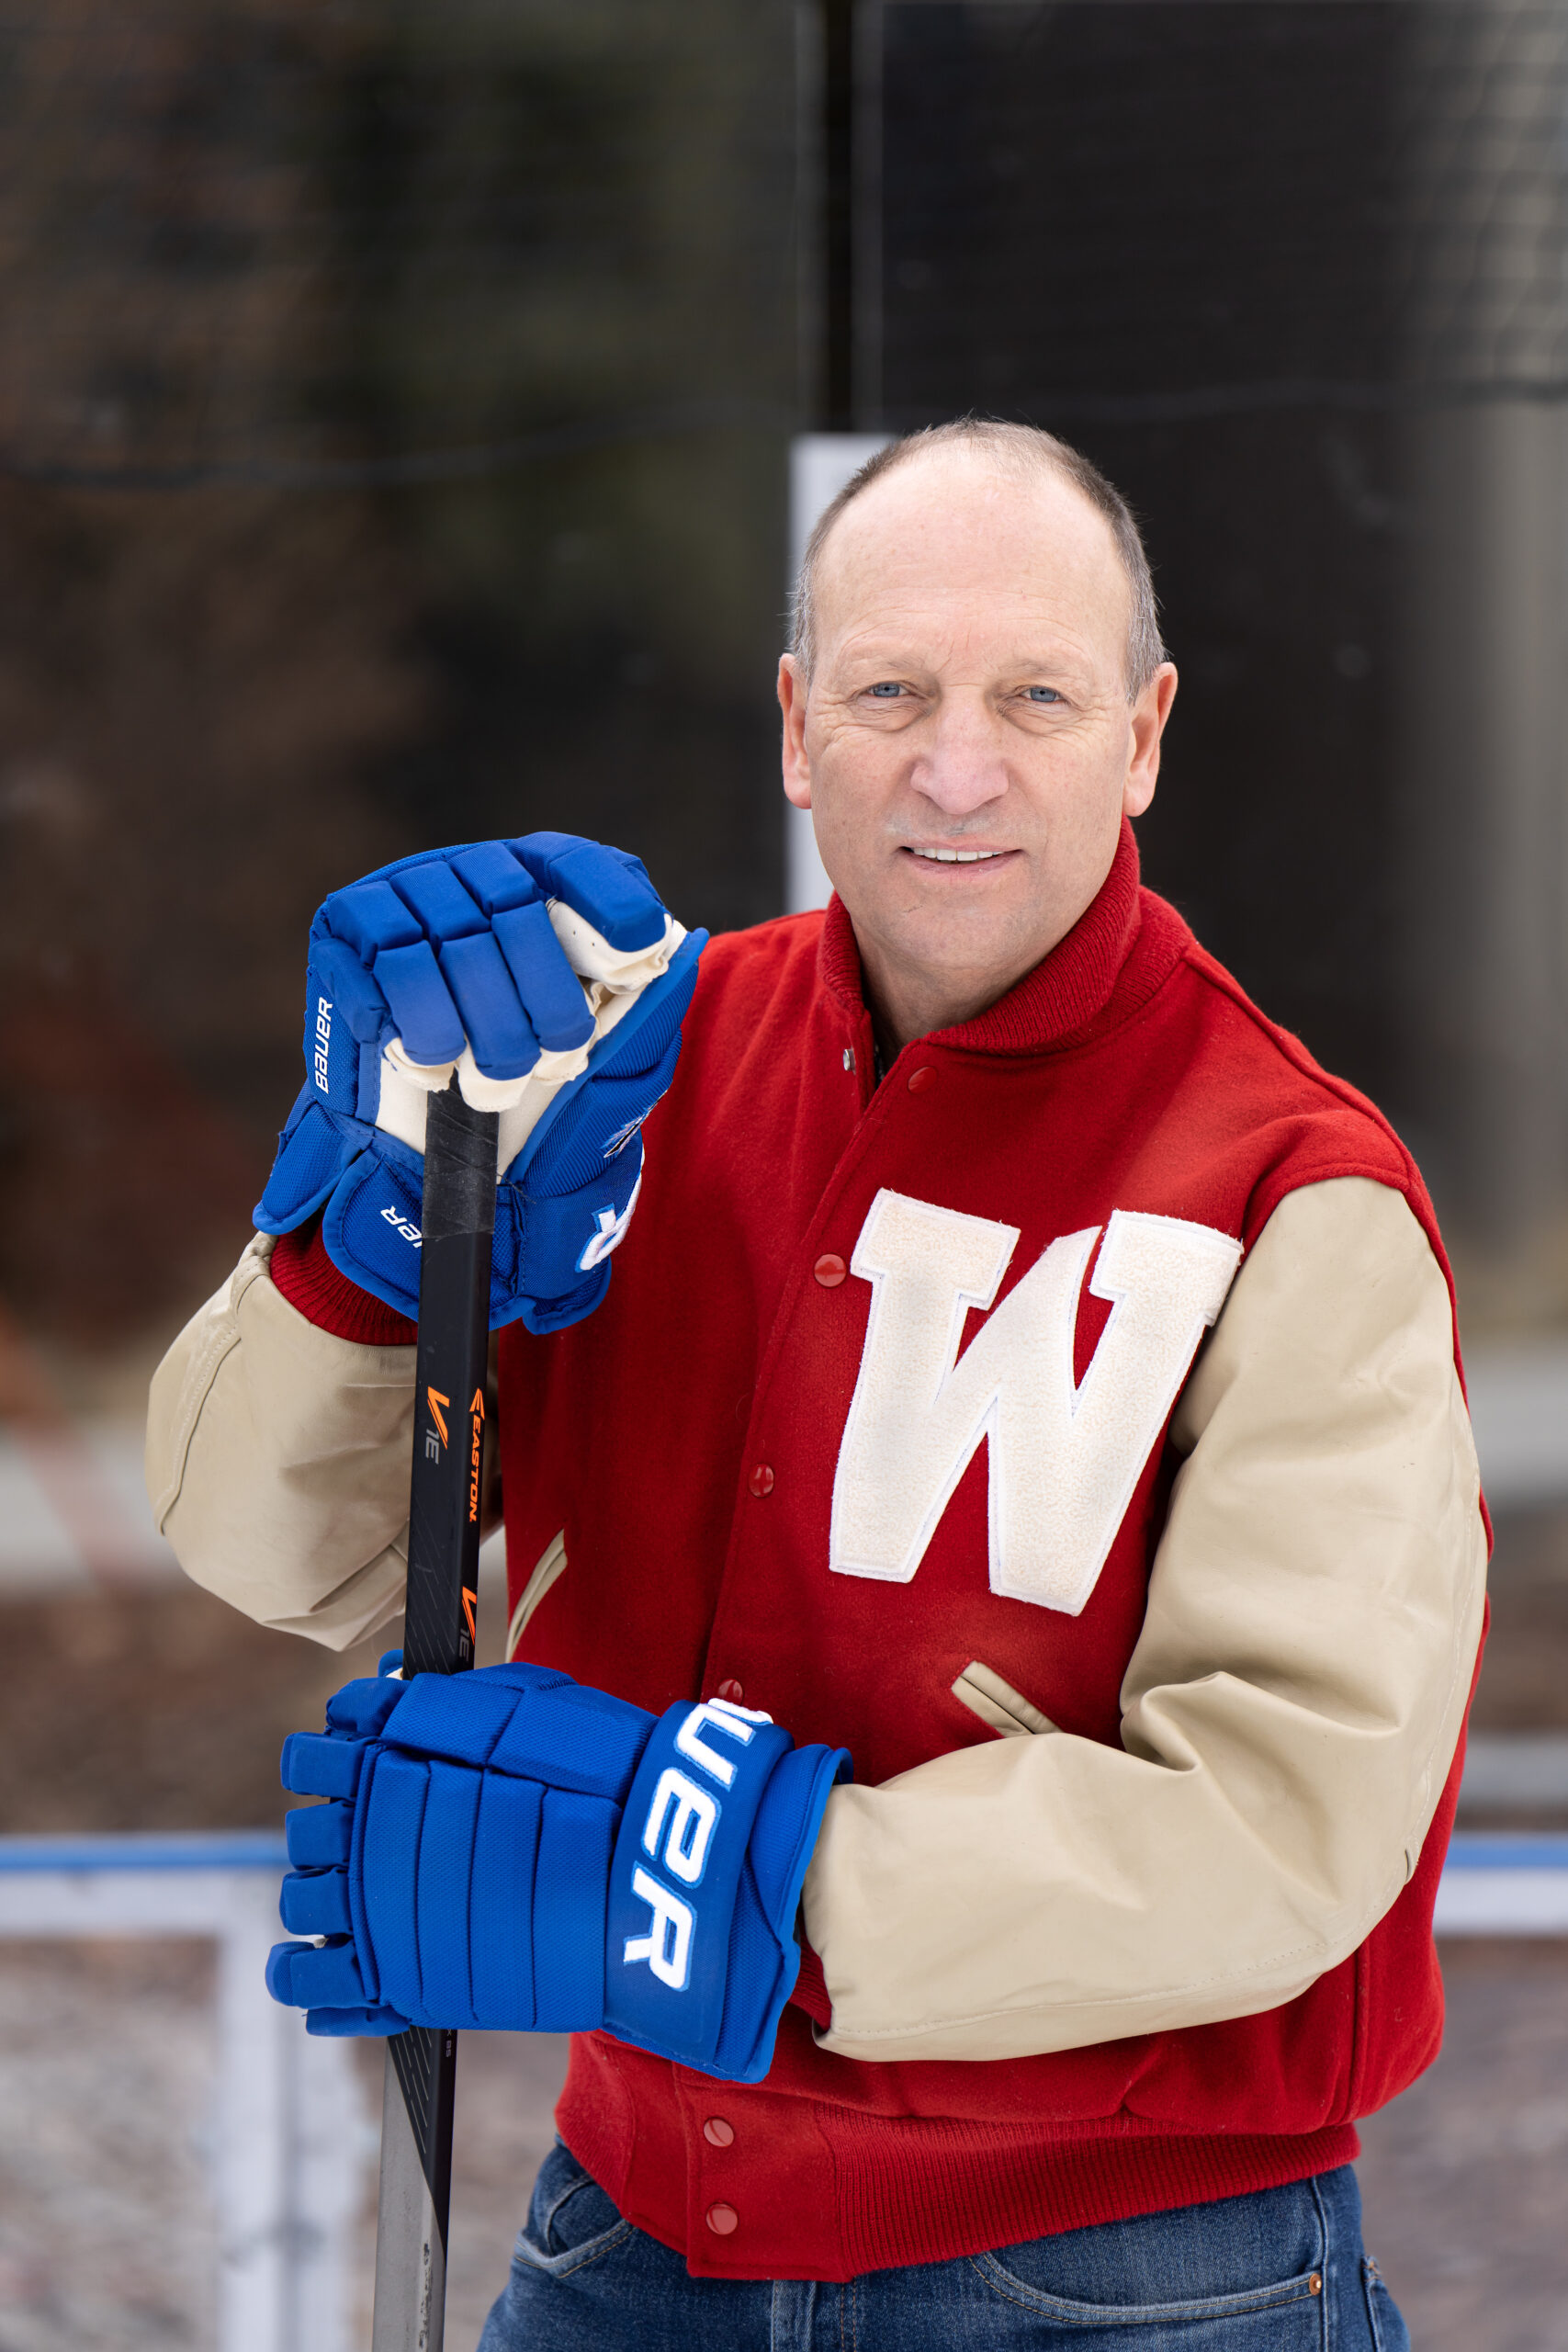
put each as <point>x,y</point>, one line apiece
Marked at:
<point>1148,718</point>
<point>793,691</point>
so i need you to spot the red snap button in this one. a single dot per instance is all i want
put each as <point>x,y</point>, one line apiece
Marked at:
<point>761,1479</point>
<point>922,1078</point>
<point>719,2134</point>
<point>829,1270</point>
<point>722,2219</point>
<point>734,1692</point>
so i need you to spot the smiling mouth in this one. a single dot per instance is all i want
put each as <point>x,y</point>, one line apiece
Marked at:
<point>958,856</point>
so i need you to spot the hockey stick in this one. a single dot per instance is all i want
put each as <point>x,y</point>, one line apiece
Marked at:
<point>458,1222</point>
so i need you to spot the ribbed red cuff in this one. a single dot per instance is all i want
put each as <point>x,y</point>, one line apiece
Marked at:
<point>316,1289</point>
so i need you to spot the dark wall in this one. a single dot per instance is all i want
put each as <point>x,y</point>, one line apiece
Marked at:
<point>394,410</point>
<point>575,223</point>
<point>1166,232</point>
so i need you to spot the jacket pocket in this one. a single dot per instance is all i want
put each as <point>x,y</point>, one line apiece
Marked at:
<point>982,1690</point>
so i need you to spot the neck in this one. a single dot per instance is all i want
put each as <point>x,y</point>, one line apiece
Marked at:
<point>905,1005</point>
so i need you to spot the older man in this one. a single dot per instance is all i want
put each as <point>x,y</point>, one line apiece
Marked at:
<point>1028,1372</point>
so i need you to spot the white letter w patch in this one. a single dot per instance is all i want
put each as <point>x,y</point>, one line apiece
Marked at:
<point>1063,1458</point>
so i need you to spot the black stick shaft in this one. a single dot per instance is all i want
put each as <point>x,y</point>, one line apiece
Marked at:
<point>458,1223</point>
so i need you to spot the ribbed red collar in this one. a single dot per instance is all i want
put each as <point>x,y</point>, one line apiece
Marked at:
<point>1060,996</point>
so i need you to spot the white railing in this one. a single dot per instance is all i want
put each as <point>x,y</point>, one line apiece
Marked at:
<point>1501,1884</point>
<point>292,2132</point>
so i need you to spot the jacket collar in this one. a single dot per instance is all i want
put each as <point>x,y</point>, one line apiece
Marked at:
<point>1063,994</point>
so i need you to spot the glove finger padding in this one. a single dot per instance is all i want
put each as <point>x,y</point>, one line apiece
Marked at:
<point>458,954</point>
<point>504,1790</point>
<point>500,1920</point>
<point>468,1849</point>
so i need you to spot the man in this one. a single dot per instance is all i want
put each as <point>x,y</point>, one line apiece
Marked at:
<point>1028,1372</point>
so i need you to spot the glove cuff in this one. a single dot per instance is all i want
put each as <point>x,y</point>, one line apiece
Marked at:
<point>718,1832</point>
<point>314,1149</point>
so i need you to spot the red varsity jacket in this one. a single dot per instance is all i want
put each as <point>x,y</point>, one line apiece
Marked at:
<point>685,1437</point>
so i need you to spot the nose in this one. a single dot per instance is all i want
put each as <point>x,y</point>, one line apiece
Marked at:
<point>961,768</point>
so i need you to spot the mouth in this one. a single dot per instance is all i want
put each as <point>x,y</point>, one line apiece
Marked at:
<point>958,856</point>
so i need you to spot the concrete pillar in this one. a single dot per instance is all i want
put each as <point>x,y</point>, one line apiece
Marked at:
<point>1480,853</point>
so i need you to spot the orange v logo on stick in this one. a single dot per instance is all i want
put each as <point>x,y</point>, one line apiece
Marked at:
<point>469,1600</point>
<point>436,1401</point>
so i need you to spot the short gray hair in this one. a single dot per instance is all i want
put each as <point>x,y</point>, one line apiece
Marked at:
<point>1023,449</point>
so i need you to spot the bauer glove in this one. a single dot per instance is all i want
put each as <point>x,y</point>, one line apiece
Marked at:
<point>509,1851</point>
<point>547,973</point>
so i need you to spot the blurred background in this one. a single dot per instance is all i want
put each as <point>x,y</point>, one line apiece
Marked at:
<point>396,410</point>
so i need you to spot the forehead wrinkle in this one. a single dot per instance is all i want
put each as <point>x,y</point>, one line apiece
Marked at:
<point>1013,643</point>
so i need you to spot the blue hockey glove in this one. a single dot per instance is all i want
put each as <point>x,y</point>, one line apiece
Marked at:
<point>510,1851</point>
<point>547,973</point>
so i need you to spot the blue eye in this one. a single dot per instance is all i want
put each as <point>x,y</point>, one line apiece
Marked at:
<point>887,689</point>
<point>1043,694</point>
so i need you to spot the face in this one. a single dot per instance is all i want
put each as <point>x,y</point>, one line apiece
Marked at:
<point>965,745</point>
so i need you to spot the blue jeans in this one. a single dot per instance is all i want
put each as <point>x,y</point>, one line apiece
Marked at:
<point>1279,2271</point>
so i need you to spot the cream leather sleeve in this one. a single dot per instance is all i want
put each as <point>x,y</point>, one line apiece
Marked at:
<point>278,1462</point>
<point>1290,1712</point>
